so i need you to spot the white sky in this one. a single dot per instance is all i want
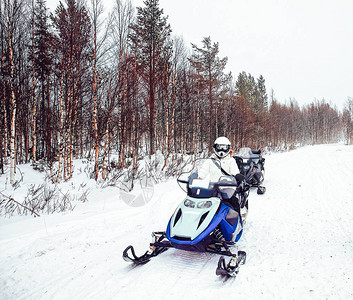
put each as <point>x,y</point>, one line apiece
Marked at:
<point>303,48</point>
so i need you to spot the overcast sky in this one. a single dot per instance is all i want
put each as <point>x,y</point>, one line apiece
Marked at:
<point>303,48</point>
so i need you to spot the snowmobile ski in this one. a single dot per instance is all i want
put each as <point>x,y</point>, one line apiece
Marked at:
<point>232,268</point>
<point>129,254</point>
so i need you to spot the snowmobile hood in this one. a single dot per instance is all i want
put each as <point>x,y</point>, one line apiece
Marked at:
<point>192,217</point>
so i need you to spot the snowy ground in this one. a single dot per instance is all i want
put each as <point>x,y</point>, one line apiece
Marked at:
<point>299,241</point>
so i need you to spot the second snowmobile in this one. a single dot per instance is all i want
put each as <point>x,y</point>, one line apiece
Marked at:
<point>204,221</point>
<point>252,165</point>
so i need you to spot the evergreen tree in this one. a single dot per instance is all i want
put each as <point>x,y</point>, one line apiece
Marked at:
<point>43,48</point>
<point>212,80</point>
<point>242,86</point>
<point>150,39</point>
<point>254,93</point>
<point>42,64</point>
<point>262,97</point>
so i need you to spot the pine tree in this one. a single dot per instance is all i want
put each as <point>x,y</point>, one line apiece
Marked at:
<point>150,37</point>
<point>42,64</point>
<point>262,94</point>
<point>254,93</point>
<point>212,80</point>
<point>242,86</point>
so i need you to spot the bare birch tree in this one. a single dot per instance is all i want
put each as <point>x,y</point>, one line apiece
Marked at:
<point>12,11</point>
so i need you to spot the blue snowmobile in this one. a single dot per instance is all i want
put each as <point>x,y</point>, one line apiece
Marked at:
<point>205,221</point>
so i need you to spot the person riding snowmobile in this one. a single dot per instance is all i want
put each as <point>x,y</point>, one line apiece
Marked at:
<point>211,218</point>
<point>222,163</point>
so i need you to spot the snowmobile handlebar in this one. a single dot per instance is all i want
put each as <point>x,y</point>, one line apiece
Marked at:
<point>218,184</point>
<point>215,187</point>
<point>183,181</point>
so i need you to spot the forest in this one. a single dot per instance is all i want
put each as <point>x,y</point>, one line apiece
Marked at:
<point>80,82</point>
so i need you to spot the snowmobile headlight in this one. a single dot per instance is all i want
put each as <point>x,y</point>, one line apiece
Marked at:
<point>189,203</point>
<point>204,204</point>
<point>246,167</point>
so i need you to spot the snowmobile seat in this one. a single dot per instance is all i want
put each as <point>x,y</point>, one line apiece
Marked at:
<point>258,151</point>
<point>255,158</point>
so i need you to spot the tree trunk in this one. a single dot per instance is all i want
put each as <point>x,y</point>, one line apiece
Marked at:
<point>134,113</point>
<point>34,100</point>
<point>151,105</point>
<point>95,104</point>
<point>167,125</point>
<point>48,128</point>
<point>13,113</point>
<point>5,129</point>
<point>107,135</point>
<point>61,132</point>
<point>106,149</point>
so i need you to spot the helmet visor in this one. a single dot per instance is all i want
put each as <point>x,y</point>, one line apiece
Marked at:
<point>223,148</point>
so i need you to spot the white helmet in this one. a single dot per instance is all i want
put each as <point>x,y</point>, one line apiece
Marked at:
<point>221,146</point>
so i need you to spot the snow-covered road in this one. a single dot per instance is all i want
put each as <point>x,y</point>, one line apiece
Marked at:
<point>298,239</point>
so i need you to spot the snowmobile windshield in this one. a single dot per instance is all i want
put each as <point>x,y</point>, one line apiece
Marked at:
<point>245,152</point>
<point>201,188</point>
<point>207,180</point>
